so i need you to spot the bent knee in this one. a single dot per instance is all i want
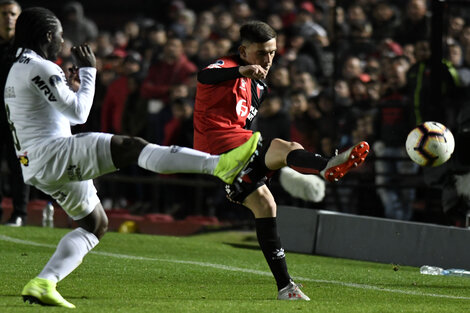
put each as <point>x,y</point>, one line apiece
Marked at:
<point>286,146</point>
<point>125,149</point>
<point>128,142</point>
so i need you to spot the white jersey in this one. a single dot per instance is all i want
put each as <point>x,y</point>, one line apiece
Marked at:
<point>41,108</point>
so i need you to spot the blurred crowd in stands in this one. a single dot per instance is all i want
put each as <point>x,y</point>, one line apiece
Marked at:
<point>344,71</point>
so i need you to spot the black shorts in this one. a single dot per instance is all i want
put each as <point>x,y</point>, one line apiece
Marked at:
<point>257,175</point>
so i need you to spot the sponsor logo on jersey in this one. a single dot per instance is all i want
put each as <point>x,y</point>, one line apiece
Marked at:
<point>253,112</point>
<point>43,86</point>
<point>74,172</point>
<point>243,84</point>
<point>24,60</point>
<point>24,160</point>
<point>242,108</point>
<point>59,196</point>
<point>55,80</point>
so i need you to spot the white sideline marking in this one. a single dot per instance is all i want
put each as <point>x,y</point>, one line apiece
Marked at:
<point>238,269</point>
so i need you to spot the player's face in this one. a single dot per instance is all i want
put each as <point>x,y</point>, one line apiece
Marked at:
<point>262,54</point>
<point>56,43</point>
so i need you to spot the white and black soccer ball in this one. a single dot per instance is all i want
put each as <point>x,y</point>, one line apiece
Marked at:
<point>430,144</point>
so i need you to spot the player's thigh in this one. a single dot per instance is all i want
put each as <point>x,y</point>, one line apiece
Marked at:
<point>80,157</point>
<point>261,202</point>
<point>78,199</point>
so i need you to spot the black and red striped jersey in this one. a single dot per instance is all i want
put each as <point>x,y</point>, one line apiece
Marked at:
<point>226,104</point>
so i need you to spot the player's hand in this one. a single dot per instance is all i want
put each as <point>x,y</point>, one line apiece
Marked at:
<point>83,56</point>
<point>73,78</point>
<point>253,71</point>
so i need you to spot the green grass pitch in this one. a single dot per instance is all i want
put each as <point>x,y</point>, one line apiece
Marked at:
<point>216,272</point>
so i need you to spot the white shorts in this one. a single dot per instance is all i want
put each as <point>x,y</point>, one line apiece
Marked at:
<point>67,176</point>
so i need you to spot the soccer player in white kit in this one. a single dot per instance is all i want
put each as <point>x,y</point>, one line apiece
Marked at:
<point>41,105</point>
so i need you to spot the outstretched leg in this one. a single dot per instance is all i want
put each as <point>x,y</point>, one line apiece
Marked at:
<point>166,160</point>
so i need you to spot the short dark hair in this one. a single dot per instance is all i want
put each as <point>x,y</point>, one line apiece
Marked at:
<point>256,31</point>
<point>8,2</point>
<point>32,25</point>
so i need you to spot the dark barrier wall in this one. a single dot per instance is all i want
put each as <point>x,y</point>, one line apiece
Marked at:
<point>373,239</point>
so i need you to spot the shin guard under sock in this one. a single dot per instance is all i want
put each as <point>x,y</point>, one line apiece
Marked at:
<point>306,162</point>
<point>266,230</point>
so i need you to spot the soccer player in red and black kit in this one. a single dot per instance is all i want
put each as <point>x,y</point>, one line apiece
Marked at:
<point>229,93</point>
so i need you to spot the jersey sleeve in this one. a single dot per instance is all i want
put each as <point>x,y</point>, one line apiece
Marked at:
<point>220,71</point>
<point>50,82</point>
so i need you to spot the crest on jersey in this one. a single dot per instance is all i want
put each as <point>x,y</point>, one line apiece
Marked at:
<point>10,92</point>
<point>24,160</point>
<point>217,64</point>
<point>54,80</point>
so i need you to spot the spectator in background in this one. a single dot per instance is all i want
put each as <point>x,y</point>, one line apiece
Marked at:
<point>117,94</point>
<point>206,54</point>
<point>392,126</point>
<point>353,68</point>
<point>280,82</point>
<point>419,86</point>
<point>302,54</point>
<point>103,45</point>
<point>77,27</point>
<point>464,38</point>
<point>206,17</point>
<point>203,32</point>
<point>416,24</point>
<point>274,20</point>
<point>183,26</point>
<point>359,95</point>
<point>302,123</point>
<point>9,11</point>
<point>224,21</point>
<point>191,48</point>
<point>307,83</point>
<point>179,130</point>
<point>132,30</point>
<point>233,32</point>
<point>224,46</point>
<point>155,40</point>
<point>287,11</point>
<point>455,28</point>
<point>273,121</point>
<point>327,124</point>
<point>385,20</point>
<point>307,26</point>
<point>240,10</point>
<point>172,68</point>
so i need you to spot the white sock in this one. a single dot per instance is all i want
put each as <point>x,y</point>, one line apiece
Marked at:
<point>174,159</point>
<point>69,254</point>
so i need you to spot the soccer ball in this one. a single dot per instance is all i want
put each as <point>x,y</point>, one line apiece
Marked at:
<point>430,144</point>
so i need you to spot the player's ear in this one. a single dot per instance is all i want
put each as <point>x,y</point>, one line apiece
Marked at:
<point>49,36</point>
<point>242,51</point>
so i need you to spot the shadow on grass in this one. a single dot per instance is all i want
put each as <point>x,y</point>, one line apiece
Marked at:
<point>242,245</point>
